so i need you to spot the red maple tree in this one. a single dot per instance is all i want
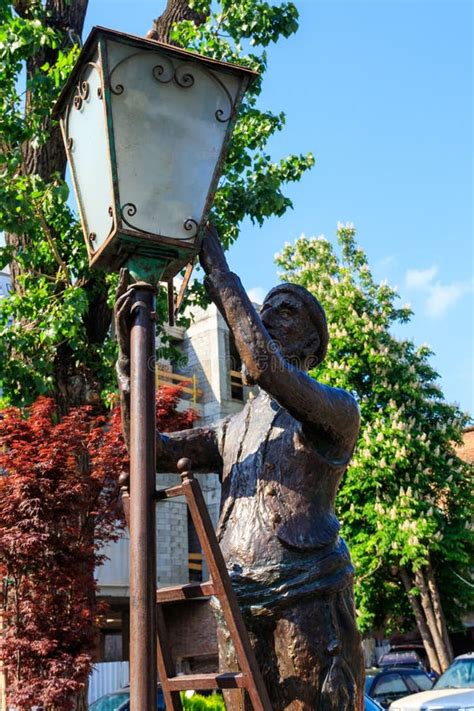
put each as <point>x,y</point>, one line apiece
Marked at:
<point>59,504</point>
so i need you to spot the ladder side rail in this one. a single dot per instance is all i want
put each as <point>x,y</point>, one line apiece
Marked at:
<point>166,666</point>
<point>225,593</point>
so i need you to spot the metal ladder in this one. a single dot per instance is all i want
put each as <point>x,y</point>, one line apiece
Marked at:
<point>219,585</point>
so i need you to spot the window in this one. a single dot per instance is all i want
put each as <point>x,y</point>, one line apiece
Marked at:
<point>194,553</point>
<point>460,675</point>
<point>113,646</point>
<point>391,684</point>
<point>235,365</point>
<point>420,681</point>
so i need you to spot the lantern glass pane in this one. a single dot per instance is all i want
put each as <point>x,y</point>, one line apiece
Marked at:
<point>89,156</point>
<point>170,120</point>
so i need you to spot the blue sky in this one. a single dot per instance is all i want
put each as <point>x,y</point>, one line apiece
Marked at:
<point>381,93</point>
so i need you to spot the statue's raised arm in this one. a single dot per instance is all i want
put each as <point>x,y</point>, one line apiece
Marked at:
<point>278,347</point>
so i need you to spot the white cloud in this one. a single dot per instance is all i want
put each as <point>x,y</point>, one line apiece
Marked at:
<point>439,298</point>
<point>420,278</point>
<point>256,294</point>
<point>442,296</point>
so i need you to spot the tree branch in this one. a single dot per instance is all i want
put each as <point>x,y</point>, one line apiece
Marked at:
<point>176,11</point>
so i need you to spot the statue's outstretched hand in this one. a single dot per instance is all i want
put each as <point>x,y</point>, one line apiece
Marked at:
<point>123,304</point>
<point>125,299</point>
<point>211,256</point>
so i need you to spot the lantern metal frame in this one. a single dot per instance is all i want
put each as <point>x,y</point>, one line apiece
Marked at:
<point>129,240</point>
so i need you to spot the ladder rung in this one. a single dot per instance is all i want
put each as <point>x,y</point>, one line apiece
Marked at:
<point>170,492</point>
<point>199,682</point>
<point>190,591</point>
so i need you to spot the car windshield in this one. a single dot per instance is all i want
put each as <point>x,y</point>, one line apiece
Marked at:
<point>421,679</point>
<point>110,702</point>
<point>460,675</point>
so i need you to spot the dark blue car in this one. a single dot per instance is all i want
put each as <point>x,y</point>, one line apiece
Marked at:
<point>392,683</point>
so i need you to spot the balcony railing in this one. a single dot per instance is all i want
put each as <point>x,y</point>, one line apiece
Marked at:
<point>236,385</point>
<point>187,383</point>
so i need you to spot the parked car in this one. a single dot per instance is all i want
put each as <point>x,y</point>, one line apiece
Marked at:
<point>454,690</point>
<point>388,684</point>
<point>120,701</point>
<point>371,705</point>
<point>407,656</point>
<point>401,658</point>
<point>418,649</point>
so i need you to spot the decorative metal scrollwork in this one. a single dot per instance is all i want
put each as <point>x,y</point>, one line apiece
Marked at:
<point>166,72</point>
<point>130,210</point>
<point>82,93</point>
<point>119,89</point>
<point>183,75</point>
<point>191,225</point>
<point>219,114</point>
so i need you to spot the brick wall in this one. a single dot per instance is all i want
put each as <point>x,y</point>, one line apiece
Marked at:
<point>192,630</point>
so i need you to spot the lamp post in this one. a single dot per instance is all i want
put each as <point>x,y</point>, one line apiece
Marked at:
<point>145,127</point>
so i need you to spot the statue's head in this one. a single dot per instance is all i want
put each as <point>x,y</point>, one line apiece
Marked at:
<point>296,321</point>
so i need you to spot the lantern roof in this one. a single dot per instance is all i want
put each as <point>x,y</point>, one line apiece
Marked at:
<point>144,43</point>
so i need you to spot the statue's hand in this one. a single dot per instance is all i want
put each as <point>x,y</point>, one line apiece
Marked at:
<point>211,256</point>
<point>123,304</point>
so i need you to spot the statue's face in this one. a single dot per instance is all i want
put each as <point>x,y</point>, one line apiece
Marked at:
<point>288,322</point>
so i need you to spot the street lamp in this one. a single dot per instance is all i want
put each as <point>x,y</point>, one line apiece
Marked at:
<point>145,126</point>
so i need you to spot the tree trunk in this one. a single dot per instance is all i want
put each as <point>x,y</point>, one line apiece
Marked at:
<point>420,621</point>
<point>426,603</point>
<point>438,611</point>
<point>49,158</point>
<point>74,385</point>
<point>176,10</point>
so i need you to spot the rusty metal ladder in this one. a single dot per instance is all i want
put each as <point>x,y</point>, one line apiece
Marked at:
<point>219,585</point>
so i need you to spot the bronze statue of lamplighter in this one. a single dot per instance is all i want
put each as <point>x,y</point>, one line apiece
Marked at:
<point>281,460</point>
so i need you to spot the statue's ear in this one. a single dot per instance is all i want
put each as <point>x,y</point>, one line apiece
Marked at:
<point>312,346</point>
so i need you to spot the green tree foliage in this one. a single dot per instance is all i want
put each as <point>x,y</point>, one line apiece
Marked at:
<point>196,702</point>
<point>54,326</point>
<point>405,503</point>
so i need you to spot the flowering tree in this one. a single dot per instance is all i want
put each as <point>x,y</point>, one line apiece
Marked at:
<point>405,503</point>
<point>59,504</point>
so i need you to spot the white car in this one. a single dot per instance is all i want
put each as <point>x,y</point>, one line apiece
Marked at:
<point>454,690</point>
